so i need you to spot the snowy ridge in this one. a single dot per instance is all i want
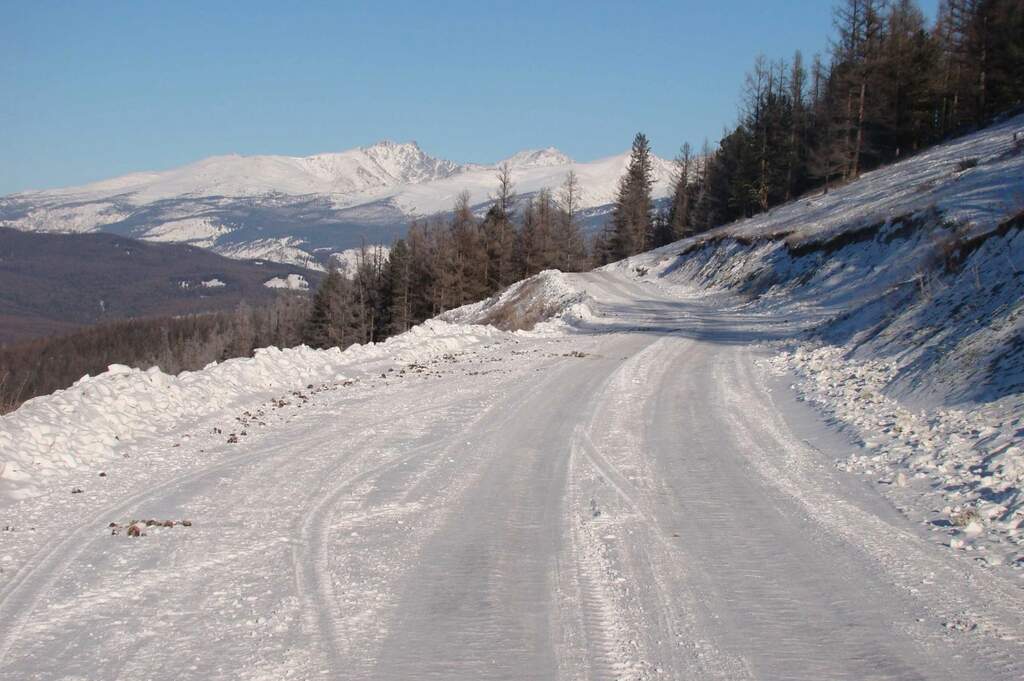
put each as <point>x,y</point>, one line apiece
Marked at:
<point>285,208</point>
<point>906,289</point>
<point>88,424</point>
<point>379,165</point>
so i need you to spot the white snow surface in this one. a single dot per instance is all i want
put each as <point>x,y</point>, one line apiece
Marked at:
<point>742,456</point>
<point>202,232</point>
<point>347,262</point>
<point>295,282</point>
<point>85,426</point>
<point>286,250</point>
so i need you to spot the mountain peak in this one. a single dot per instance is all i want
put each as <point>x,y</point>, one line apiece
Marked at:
<point>534,158</point>
<point>391,145</point>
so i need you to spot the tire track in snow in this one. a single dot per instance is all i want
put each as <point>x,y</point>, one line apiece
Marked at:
<point>22,594</point>
<point>901,554</point>
<point>639,557</point>
<point>311,561</point>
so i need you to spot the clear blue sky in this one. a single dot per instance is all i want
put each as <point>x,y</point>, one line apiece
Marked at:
<point>90,90</point>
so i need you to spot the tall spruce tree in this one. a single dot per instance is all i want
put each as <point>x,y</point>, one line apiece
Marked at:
<point>632,214</point>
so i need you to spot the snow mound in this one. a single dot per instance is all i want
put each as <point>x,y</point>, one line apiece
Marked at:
<point>89,425</point>
<point>547,302</point>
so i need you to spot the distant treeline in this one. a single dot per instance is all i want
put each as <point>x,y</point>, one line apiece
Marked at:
<point>174,344</point>
<point>444,263</point>
<point>892,86</point>
<point>441,264</point>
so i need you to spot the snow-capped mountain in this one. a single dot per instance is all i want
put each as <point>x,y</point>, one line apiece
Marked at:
<point>299,210</point>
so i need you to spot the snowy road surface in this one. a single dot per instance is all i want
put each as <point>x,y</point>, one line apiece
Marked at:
<point>640,502</point>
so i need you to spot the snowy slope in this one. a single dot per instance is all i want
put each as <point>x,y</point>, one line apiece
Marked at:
<point>285,208</point>
<point>907,289</point>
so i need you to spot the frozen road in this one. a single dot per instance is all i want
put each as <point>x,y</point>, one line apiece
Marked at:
<point>643,501</point>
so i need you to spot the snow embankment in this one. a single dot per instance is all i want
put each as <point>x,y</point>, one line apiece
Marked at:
<point>548,302</point>
<point>91,423</point>
<point>902,298</point>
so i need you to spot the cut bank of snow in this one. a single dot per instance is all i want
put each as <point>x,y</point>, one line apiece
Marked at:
<point>908,289</point>
<point>295,282</point>
<point>87,425</point>
<point>950,461</point>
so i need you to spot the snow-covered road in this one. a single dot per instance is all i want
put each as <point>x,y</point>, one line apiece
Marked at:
<point>641,501</point>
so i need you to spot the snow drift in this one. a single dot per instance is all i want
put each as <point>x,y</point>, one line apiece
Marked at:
<point>545,302</point>
<point>89,424</point>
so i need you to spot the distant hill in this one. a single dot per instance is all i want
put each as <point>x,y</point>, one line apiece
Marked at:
<point>301,210</point>
<point>54,283</point>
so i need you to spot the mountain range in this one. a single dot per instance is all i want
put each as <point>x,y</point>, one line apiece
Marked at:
<point>302,210</point>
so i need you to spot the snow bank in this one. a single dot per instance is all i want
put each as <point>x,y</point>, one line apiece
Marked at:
<point>959,463</point>
<point>905,291</point>
<point>89,424</point>
<point>548,302</point>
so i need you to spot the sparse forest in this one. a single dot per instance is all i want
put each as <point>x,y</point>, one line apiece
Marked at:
<point>447,262</point>
<point>892,86</point>
<point>174,344</point>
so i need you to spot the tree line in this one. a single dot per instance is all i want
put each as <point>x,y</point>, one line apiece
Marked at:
<point>445,262</point>
<point>175,344</point>
<point>893,85</point>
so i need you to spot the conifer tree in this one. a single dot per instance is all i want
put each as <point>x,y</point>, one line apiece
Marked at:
<point>329,322</point>
<point>632,214</point>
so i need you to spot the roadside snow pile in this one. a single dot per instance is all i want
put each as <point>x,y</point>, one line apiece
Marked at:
<point>547,302</point>
<point>964,466</point>
<point>91,422</point>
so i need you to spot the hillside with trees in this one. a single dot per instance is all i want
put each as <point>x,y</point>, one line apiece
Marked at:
<point>892,86</point>
<point>56,283</point>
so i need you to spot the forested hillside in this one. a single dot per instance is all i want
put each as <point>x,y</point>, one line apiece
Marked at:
<point>53,283</point>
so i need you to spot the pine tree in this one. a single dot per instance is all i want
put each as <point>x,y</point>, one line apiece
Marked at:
<point>631,216</point>
<point>329,322</point>
<point>679,221</point>
<point>571,247</point>
<point>499,234</point>
<point>398,289</point>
